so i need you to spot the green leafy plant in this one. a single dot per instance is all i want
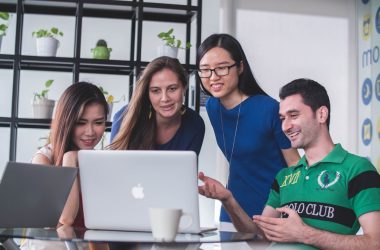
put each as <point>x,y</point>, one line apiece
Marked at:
<point>4,26</point>
<point>101,51</point>
<point>111,98</point>
<point>53,32</point>
<point>43,93</point>
<point>101,43</point>
<point>170,40</point>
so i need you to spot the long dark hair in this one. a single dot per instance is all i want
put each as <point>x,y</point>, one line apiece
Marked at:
<point>247,82</point>
<point>138,128</point>
<point>68,111</point>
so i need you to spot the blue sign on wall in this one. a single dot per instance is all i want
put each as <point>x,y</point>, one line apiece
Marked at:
<point>367,132</point>
<point>377,87</point>
<point>377,20</point>
<point>367,91</point>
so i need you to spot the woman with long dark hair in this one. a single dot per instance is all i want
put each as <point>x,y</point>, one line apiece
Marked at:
<point>155,118</point>
<point>245,121</point>
<point>78,123</point>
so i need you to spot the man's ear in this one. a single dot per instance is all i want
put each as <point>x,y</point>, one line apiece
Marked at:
<point>322,114</point>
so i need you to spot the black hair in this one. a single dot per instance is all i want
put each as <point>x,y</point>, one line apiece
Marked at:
<point>313,94</point>
<point>247,82</point>
<point>69,109</point>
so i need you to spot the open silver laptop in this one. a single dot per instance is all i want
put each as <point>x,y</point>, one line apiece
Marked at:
<point>33,195</point>
<point>119,187</point>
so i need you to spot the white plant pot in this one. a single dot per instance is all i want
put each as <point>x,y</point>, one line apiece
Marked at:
<point>47,46</point>
<point>43,108</point>
<point>1,39</point>
<point>109,116</point>
<point>165,50</point>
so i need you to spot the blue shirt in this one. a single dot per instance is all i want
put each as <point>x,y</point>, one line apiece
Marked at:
<point>189,136</point>
<point>257,155</point>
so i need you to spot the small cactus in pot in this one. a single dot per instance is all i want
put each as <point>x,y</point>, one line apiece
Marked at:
<point>101,51</point>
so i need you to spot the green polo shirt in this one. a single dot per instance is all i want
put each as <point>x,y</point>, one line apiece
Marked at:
<point>332,193</point>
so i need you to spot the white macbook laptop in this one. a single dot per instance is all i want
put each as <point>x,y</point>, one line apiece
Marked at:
<point>119,187</point>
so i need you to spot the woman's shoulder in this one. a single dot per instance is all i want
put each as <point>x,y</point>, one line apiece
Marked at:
<point>120,112</point>
<point>212,103</point>
<point>192,122</point>
<point>192,118</point>
<point>266,99</point>
<point>265,102</point>
<point>213,106</point>
<point>46,151</point>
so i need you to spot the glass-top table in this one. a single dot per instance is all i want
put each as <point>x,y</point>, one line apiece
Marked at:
<point>81,234</point>
<point>72,236</point>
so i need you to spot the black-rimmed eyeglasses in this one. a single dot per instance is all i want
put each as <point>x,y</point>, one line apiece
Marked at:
<point>219,71</point>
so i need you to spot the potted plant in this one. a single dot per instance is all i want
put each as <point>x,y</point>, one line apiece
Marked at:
<point>101,51</point>
<point>42,106</point>
<point>4,25</point>
<point>47,42</point>
<point>172,44</point>
<point>110,100</point>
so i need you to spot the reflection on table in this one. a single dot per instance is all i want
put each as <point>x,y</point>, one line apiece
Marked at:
<point>104,239</point>
<point>82,234</point>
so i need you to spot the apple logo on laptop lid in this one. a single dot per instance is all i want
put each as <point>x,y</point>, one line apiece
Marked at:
<point>138,191</point>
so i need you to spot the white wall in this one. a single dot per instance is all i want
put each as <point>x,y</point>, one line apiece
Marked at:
<point>207,163</point>
<point>288,39</point>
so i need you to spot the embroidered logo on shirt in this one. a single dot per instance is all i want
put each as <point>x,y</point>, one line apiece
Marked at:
<point>327,179</point>
<point>291,179</point>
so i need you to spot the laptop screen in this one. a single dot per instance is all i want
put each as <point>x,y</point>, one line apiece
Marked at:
<point>34,195</point>
<point>119,187</point>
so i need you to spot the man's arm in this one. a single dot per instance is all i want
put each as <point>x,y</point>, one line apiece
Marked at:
<point>293,229</point>
<point>370,239</point>
<point>242,222</point>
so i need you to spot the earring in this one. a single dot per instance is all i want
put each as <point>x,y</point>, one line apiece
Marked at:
<point>150,112</point>
<point>183,110</point>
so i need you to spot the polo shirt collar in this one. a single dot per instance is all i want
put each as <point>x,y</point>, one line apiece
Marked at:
<point>337,155</point>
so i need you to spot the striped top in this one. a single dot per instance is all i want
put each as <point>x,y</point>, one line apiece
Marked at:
<point>332,193</point>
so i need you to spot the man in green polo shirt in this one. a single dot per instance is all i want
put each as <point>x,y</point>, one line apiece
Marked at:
<point>322,200</point>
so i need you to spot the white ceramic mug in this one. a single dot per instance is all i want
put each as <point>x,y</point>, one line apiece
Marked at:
<point>165,222</point>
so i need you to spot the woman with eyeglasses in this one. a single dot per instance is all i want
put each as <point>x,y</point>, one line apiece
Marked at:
<point>245,122</point>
